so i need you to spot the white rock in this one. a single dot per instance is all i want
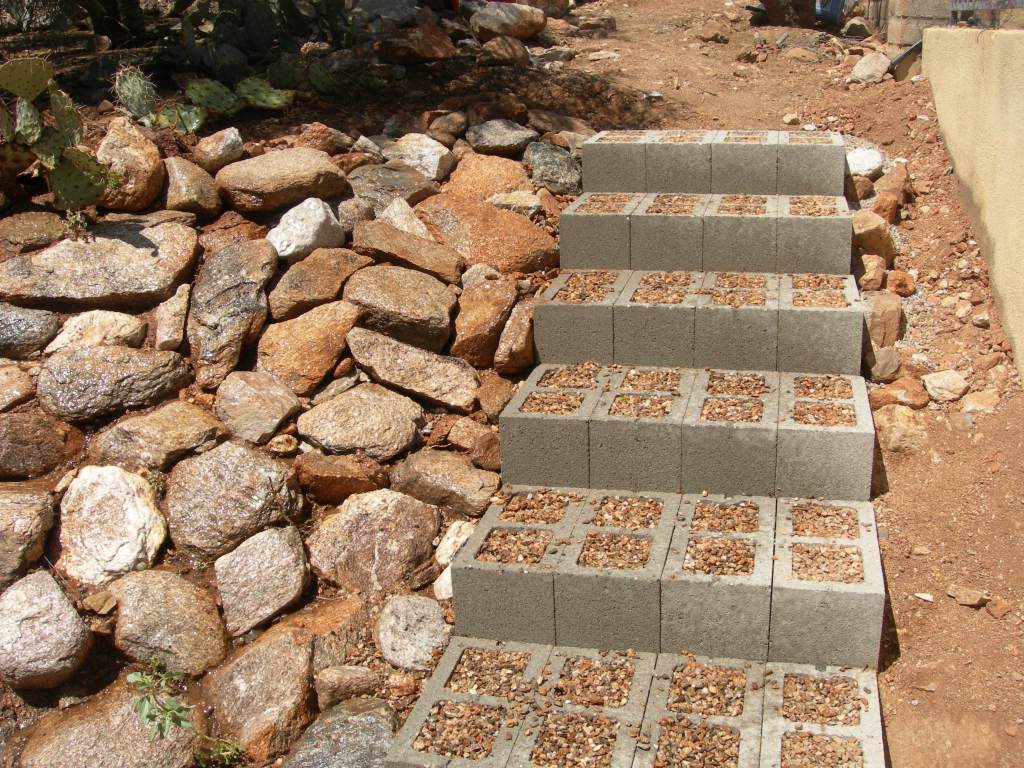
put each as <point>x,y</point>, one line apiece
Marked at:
<point>308,226</point>
<point>169,319</point>
<point>410,631</point>
<point>458,533</point>
<point>790,118</point>
<point>218,149</point>
<point>945,386</point>
<point>443,585</point>
<point>519,201</point>
<point>99,328</point>
<point>400,215</point>
<point>431,158</point>
<point>984,401</point>
<point>479,273</point>
<point>870,69</point>
<point>110,525</point>
<point>865,161</point>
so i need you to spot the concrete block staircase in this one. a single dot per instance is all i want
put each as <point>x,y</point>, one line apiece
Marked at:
<point>683,568</point>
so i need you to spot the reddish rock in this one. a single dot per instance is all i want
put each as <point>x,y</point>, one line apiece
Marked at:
<point>446,479</point>
<point>315,280</point>
<point>907,391</point>
<point>515,346</point>
<point>324,138</point>
<point>229,229</point>
<point>136,162</point>
<point>901,283</point>
<point>897,183</point>
<point>871,272</point>
<point>352,160</point>
<point>279,179</point>
<point>483,310</point>
<point>884,312</point>
<point>384,242</point>
<point>426,42</point>
<point>481,176</point>
<point>859,187</point>
<point>887,205</point>
<point>494,393</point>
<point>332,479</point>
<point>871,235</point>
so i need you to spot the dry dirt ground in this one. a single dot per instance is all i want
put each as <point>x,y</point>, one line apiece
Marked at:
<point>952,686</point>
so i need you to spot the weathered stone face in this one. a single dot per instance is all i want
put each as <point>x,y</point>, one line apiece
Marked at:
<point>25,519</point>
<point>159,438</point>
<point>279,179</point>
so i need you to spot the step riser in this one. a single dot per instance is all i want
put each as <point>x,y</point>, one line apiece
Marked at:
<point>697,332</point>
<point>682,451</point>
<point>761,614</point>
<point>782,163</point>
<point>776,241</point>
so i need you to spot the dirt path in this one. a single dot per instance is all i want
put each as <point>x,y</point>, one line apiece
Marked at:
<point>953,684</point>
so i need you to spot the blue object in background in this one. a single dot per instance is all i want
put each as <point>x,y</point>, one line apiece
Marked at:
<point>830,11</point>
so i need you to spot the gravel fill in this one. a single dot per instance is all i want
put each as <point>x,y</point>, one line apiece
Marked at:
<point>555,403</point>
<point>827,387</point>
<point>808,750</point>
<point>632,513</point>
<point>489,672</point>
<point>660,380</point>
<point>732,409</point>
<point>546,507</point>
<point>618,552</point>
<point>579,376</point>
<point>705,689</point>
<point>575,741</point>
<point>824,521</point>
<point>730,383</point>
<point>460,729</point>
<point>823,700</point>
<point>719,557</point>
<point>514,545</point>
<point>586,287</point>
<point>828,562</point>
<point>683,742</point>
<point>593,682</point>
<point>662,288</point>
<point>641,407</point>
<point>739,517</point>
<point>825,414</point>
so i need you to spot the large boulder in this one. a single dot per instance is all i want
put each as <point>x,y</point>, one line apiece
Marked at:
<point>308,226</point>
<point>25,331</point>
<point>483,310</point>
<point>99,328</point>
<point>43,640</point>
<point>253,405</point>
<point>30,445</point>
<point>279,179</point>
<point>157,439</point>
<point>263,575</point>
<point>385,242</point>
<point>504,51</point>
<point>482,176</point>
<point>229,307</point>
<point>512,19</point>
<point>136,163</point>
<point>368,418</point>
<point>500,137</point>
<point>110,525</point>
<point>446,479</point>
<point>485,234</point>
<point>554,168</point>
<point>124,264</point>
<point>411,632</point>
<point>92,382</point>
<point>218,499</point>
<point>190,188</point>
<point>353,734</point>
<point>417,150</point>
<point>164,616</point>
<point>262,697</point>
<point>408,305</point>
<point>302,351</point>
<point>441,380</point>
<point>315,280</point>
<point>106,732</point>
<point>374,542</point>
<point>380,184</point>
<point>26,517</point>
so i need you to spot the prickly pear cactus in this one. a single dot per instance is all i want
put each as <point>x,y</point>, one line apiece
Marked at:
<point>66,118</point>
<point>257,92</point>
<point>136,93</point>
<point>28,123</point>
<point>6,124</point>
<point>14,159</point>
<point>26,78</point>
<point>77,180</point>
<point>323,82</point>
<point>213,97</point>
<point>182,118</point>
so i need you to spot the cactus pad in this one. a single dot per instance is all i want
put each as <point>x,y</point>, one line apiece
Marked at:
<point>323,82</point>
<point>6,124</point>
<point>14,159</point>
<point>183,118</point>
<point>28,123</point>
<point>257,92</point>
<point>65,116</point>
<point>77,180</point>
<point>48,147</point>
<point>213,96</point>
<point>136,93</point>
<point>26,78</point>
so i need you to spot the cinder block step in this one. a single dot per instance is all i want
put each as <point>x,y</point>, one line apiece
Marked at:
<point>658,572</point>
<point>806,322</point>
<point>724,232</point>
<point>504,705</point>
<point>707,161</point>
<point>685,430</point>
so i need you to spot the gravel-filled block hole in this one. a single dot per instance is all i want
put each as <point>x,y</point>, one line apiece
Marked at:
<point>731,383</point>
<point>826,387</point>
<point>732,409</point>
<point>661,380</point>
<point>489,672</point>
<point>812,205</point>
<point>544,507</point>
<point>575,740</point>
<point>817,282</point>
<point>683,742</point>
<point>618,552</point>
<point>682,137</point>
<point>707,689</point>
<point>809,750</point>
<point>828,562</point>
<point>579,376</point>
<point>632,513</point>
<point>514,545</point>
<point>641,407</point>
<point>662,288</point>
<point>620,137</point>
<point>605,203</point>
<point>746,137</point>
<point>825,414</point>
<point>823,700</point>
<point>554,403</point>
<point>740,280</point>
<point>730,298</point>
<point>824,521</point>
<point>828,299</point>
<point>678,205</point>
<point>809,138</point>
<point>718,517</point>
<point>460,729</point>
<point>719,557</point>
<point>587,287</point>
<point>594,682</point>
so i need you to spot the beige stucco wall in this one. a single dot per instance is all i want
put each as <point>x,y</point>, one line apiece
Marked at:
<point>977,78</point>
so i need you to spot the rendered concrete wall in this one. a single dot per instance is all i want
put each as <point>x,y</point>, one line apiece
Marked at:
<point>977,79</point>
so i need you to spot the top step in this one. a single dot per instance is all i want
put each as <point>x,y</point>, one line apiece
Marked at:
<point>715,162</point>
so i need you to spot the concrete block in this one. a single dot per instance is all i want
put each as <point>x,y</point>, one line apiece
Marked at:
<point>653,318</point>
<point>599,601</point>
<point>679,161</point>
<point>727,719</point>
<point>736,322</point>
<point>826,437</point>
<point>545,432</point>
<point>635,438</point>
<point>821,324</point>
<point>667,232</point>
<point>828,575</point>
<point>745,162</point>
<point>716,588</point>
<point>728,437</point>
<point>740,233</point>
<point>811,163</point>
<point>594,231</point>
<point>505,593</point>
<point>814,234</point>
<point>572,321</point>
<point>615,161</point>
<point>792,730</point>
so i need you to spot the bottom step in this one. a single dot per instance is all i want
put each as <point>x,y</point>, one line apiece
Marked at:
<point>493,704</point>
